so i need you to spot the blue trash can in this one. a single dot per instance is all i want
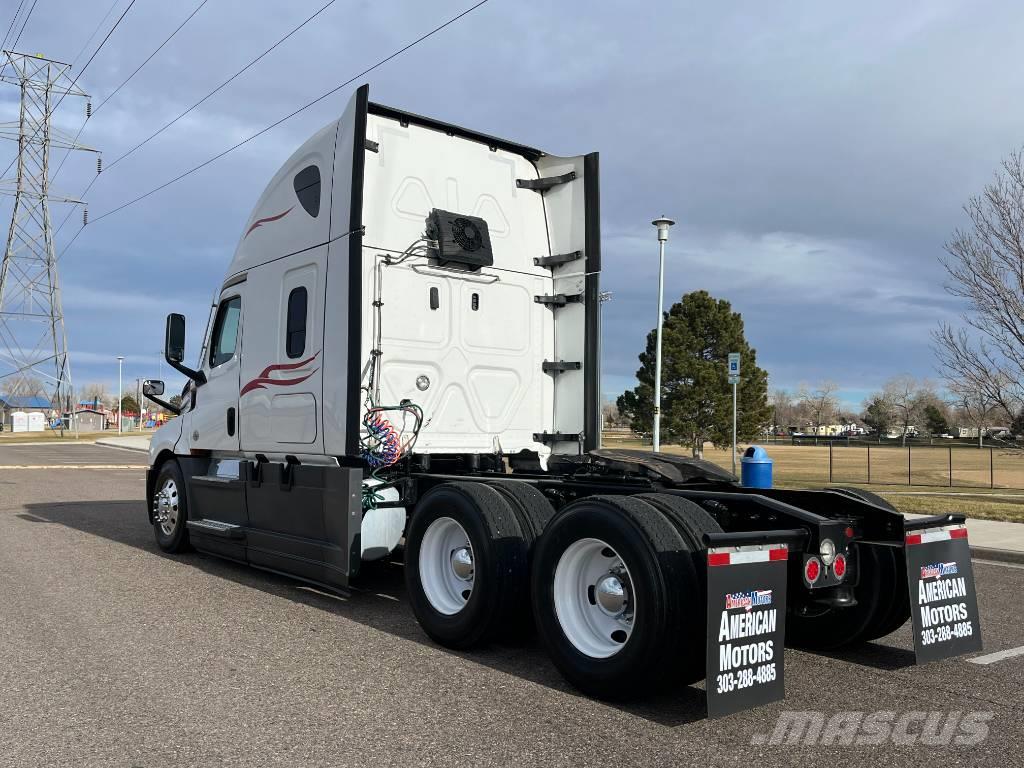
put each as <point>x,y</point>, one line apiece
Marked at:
<point>755,468</point>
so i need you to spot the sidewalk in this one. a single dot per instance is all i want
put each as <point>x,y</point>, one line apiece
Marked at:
<point>129,443</point>
<point>994,540</point>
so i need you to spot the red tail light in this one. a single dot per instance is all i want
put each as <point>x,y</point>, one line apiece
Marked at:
<point>839,566</point>
<point>812,570</point>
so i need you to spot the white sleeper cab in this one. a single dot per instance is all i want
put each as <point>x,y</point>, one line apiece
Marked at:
<point>404,358</point>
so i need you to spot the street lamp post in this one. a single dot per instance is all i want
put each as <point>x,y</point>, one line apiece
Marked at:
<point>120,419</point>
<point>662,224</point>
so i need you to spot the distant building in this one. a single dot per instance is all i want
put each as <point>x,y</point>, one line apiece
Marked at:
<point>828,430</point>
<point>89,420</point>
<point>9,404</point>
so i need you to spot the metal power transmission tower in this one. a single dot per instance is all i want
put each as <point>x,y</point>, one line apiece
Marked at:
<point>33,341</point>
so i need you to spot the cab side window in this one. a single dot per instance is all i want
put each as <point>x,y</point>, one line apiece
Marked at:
<point>307,189</point>
<point>225,331</point>
<point>295,328</point>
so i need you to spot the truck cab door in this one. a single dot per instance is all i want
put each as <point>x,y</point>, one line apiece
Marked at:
<point>215,424</point>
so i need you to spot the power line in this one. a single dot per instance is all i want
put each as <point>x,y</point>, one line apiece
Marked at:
<point>176,119</point>
<point>24,23</point>
<point>221,86</point>
<point>100,46</point>
<point>276,123</point>
<point>11,25</point>
<point>124,83</point>
<point>101,22</point>
<point>148,58</point>
<point>15,44</point>
<point>81,72</point>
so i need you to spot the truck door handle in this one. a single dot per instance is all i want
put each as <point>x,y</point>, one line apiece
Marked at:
<point>231,422</point>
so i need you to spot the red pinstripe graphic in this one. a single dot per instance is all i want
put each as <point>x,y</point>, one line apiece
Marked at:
<point>263,380</point>
<point>268,219</point>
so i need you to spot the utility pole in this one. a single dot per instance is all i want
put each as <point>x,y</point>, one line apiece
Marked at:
<point>663,225</point>
<point>33,340</point>
<point>120,396</point>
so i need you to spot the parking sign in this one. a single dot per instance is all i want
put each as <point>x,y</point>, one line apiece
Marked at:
<point>734,364</point>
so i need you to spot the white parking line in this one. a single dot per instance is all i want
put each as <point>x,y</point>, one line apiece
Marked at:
<point>74,466</point>
<point>992,658</point>
<point>998,563</point>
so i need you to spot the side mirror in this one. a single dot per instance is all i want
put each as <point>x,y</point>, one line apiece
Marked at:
<point>174,349</point>
<point>152,388</point>
<point>174,339</point>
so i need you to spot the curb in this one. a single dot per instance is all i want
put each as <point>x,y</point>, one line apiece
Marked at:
<point>107,443</point>
<point>998,555</point>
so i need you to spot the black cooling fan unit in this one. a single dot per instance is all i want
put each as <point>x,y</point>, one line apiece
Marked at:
<point>460,239</point>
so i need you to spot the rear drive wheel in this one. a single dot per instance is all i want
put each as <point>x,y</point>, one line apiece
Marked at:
<point>613,587</point>
<point>533,511</point>
<point>692,522</point>
<point>833,628</point>
<point>894,567</point>
<point>465,565</point>
<point>170,509</point>
<point>531,506</point>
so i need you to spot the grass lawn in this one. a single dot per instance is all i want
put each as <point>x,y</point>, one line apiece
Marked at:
<point>1008,509</point>
<point>807,466</point>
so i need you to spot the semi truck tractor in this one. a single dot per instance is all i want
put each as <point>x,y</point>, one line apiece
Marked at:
<point>402,361</point>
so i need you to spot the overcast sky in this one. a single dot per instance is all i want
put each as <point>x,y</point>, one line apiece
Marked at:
<point>815,155</point>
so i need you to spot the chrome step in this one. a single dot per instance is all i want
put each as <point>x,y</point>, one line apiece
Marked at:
<point>216,528</point>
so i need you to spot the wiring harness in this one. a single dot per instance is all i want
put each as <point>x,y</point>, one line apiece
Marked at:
<point>382,443</point>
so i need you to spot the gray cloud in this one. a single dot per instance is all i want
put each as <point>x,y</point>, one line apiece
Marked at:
<point>816,156</point>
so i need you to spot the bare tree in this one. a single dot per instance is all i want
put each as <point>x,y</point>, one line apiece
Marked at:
<point>25,386</point>
<point>985,265</point>
<point>94,393</point>
<point>906,398</point>
<point>976,410</point>
<point>783,409</point>
<point>820,404</point>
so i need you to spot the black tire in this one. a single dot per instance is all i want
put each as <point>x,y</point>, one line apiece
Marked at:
<point>659,565</point>
<point>500,576</point>
<point>868,496</point>
<point>894,566</point>
<point>171,538</point>
<point>692,522</point>
<point>532,507</point>
<point>534,512</point>
<point>834,628</point>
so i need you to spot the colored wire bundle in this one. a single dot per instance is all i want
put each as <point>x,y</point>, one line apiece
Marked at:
<point>383,445</point>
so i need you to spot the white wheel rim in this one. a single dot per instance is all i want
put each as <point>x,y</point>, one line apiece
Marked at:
<point>446,566</point>
<point>596,620</point>
<point>165,507</point>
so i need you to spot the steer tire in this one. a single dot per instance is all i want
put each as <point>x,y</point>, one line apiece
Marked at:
<point>499,588</point>
<point>894,571</point>
<point>171,539</point>
<point>692,522</point>
<point>662,588</point>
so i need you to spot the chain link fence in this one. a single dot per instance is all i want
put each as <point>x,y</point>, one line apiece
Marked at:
<point>953,466</point>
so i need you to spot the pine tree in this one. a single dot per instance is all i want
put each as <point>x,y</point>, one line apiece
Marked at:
<point>696,398</point>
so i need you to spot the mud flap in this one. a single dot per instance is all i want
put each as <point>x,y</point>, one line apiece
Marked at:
<point>943,603</point>
<point>746,626</point>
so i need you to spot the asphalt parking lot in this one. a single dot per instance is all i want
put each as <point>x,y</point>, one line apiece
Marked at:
<point>114,654</point>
